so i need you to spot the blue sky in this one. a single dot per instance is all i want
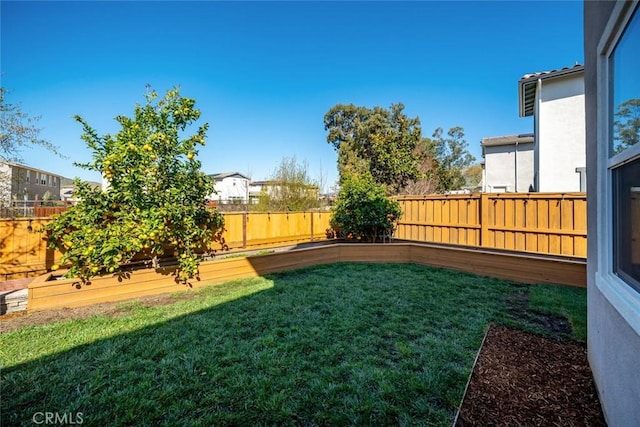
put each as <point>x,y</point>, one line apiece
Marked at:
<point>265,73</point>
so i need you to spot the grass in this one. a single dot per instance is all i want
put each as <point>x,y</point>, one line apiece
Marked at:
<point>331,345</point>
<point>563,301</point>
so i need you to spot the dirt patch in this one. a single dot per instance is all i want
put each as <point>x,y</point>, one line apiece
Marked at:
<point>522,379</point>
<point>519,312</point>
<point>11,322</point>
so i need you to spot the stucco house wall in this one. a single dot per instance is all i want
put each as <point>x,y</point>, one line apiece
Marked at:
<point>508,167</point>
<point>19,180</point>
<point>555,99</point>
<point>560,139</point>
<point>230,186</point>
<point>613,308</point>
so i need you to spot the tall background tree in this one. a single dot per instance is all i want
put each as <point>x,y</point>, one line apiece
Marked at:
<point>18,130</point>
<point>389,146</point>
<point>450,158</point>
<point>379,141</point>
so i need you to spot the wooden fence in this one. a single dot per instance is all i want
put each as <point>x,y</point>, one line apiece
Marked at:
<point>543,223</point>
<point>23,251</point>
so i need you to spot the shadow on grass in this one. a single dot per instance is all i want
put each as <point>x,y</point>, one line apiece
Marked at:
<point>334,344</point>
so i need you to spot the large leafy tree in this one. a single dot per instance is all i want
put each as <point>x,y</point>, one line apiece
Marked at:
<point>627,124</point>
<point>445,164</point>
<point>451,157</point>
<point>155,204</point>
<point>377,141</point>
<point>18,130</point>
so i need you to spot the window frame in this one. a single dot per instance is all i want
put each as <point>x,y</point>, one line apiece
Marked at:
<point>622,295</point>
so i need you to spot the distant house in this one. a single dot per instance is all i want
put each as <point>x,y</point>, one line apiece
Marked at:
<point>508,163</point>
<point>21,182</point>
<point>258,188</point>
<point>612,43</point>
<point>555,99</point>
<point>230,187</point>
<point>68,188</point>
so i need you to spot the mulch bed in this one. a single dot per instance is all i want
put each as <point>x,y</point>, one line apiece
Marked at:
<point>522,379</point>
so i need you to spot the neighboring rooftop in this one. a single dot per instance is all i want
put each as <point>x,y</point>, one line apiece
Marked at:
<point>223,175</point>
<point>31,168</point>
<point>68,182</point>
<point>527,86</point>
<point>507,140</point>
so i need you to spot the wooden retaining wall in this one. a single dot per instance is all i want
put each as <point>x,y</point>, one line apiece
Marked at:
<point>47,294</point>
<point>543,223</point>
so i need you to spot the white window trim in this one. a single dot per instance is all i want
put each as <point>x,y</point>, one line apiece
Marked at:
<point>620,294</point>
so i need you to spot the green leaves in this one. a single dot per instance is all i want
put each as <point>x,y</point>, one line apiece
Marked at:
<point>377,141</point>
<point>155,204</point>
<point>451,158</point>
<point>363,211</point>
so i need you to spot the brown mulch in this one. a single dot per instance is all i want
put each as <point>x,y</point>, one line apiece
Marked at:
<point>522,379</point>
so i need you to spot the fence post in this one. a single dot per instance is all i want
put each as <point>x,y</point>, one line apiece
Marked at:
<point>312,225</point>
<point>484,220</point>
<point>244,229</point>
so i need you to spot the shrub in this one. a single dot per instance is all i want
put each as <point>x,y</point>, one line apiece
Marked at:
<point>363,211</point>
<point>156,197</point>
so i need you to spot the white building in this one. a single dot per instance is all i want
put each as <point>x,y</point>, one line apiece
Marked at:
<point>612,43</point>
<point>508,164</point>
<point>231,187</point>
<point>555,99</point>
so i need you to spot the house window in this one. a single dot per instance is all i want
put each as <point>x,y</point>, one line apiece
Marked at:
<point>28,177</point>
<point>626,220</point>
<point>623,174</point>
<point>43,179</point>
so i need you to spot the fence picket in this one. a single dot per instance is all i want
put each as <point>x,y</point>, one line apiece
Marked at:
<point>546,223</point>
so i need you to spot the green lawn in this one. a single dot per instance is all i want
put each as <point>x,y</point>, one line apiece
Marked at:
<point>338,344</point>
